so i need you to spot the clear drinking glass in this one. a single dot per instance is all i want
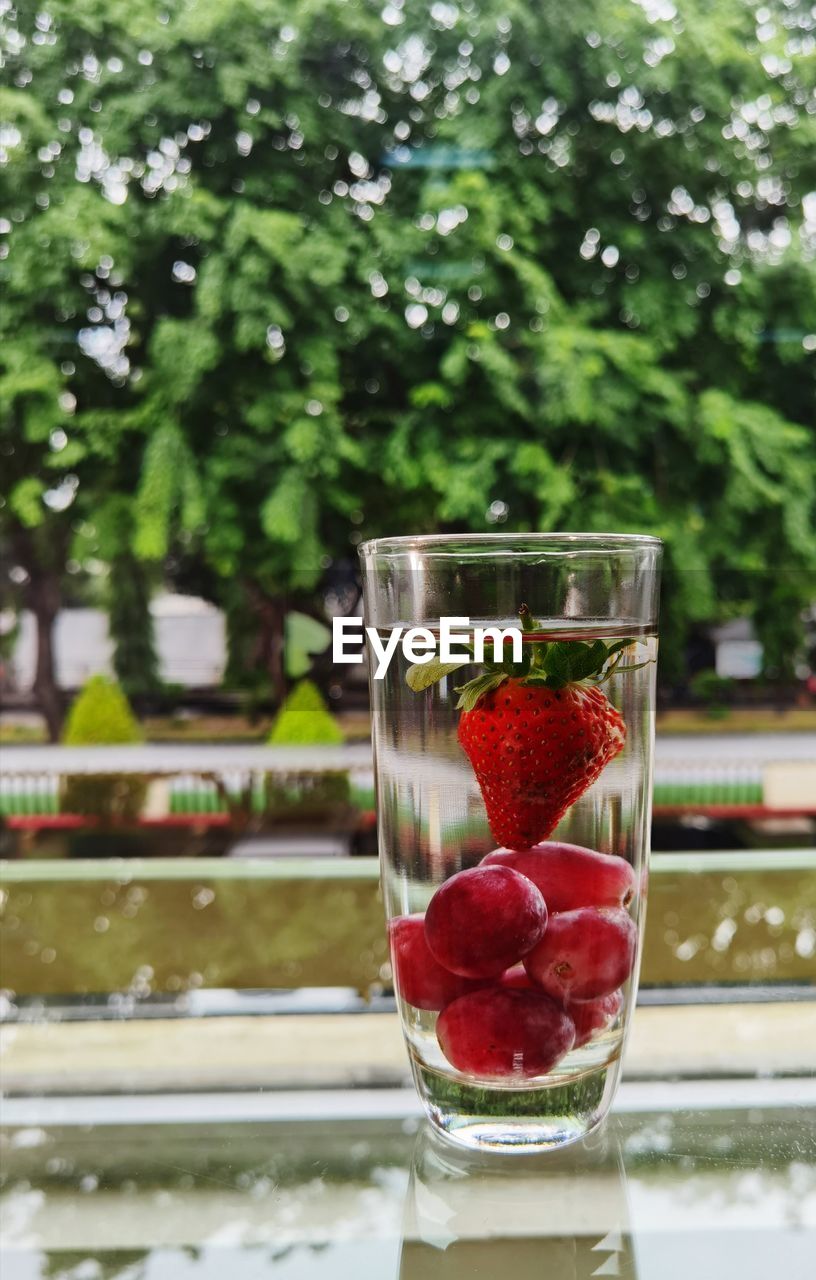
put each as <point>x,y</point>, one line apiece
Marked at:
<point>515,980</point>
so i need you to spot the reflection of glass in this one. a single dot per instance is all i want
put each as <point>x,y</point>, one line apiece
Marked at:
<point>473,1214</point>
<point>508,752</point>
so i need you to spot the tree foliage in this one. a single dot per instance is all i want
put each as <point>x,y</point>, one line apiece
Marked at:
<point>288,273</point>
<point>127,598</point>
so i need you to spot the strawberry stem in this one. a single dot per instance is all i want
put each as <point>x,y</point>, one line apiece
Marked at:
<point>538,652</point>
<point>528,622</point>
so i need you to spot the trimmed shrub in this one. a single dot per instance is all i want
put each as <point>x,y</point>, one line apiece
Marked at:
<point>304,719</point>
<point>102,716</point>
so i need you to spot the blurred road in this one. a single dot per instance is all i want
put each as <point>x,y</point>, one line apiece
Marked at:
<point>717,749</point>
<point>727,748</point>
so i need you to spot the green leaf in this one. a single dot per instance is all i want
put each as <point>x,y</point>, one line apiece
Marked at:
<point>559,662</point>
<point>518,669</point>
<point>617,646</point>
<point>423,674</point>
<point>26,502</point>
<point>470,693</point>
<point>569,661</point>
<point>431,395</point>
<point>588,658</point>
<point>542,680</point>
<point>169,489</point>
<point>284,512</point>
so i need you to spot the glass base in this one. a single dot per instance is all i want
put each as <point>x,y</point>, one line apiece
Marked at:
<point>484,1118</point>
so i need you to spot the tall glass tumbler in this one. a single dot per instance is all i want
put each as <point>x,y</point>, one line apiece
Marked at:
<point>514,805</point>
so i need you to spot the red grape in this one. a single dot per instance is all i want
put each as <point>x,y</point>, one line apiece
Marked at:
<point>517,977</point>
<point>419,979</point>
<point>590,1016</point>
<point>570,876</point>
<point>483,920</point>
<point>584,953</point>
<point>499,1033</point>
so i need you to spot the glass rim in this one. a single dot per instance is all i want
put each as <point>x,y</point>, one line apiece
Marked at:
<point>533,541</point>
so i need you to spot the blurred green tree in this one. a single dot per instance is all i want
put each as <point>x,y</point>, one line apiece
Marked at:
<point>314,271</point>
<point>128,600</point>
<point>66,437</point>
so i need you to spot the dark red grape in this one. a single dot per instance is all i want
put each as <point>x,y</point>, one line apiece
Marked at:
<point>483,920</point>
<point>570,876</point>
<point>517,978</point>
<point>500,1034</point>
<point>419,978</point>
<point>590,1016</point>
<point>584,953</point>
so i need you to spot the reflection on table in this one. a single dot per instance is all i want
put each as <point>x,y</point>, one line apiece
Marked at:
<point>561,1216</point>
<point>718,1181</point>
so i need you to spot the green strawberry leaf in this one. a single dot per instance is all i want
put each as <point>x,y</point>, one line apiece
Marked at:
<point>421,675</point>
<point>559,663</point>
<point>570,661</point>
<point>497,655</point>
<point>517,669</point>
<point>632,666</point>
<point>470,693</point>
<point>550,664</point>
<point>540,679</point>
<point>588,658</point>
<point>613,666</point>
<point>612,649</point>
<point>540,651</point>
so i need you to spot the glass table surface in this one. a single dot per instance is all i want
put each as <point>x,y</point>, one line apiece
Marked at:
<point>711,1181</point>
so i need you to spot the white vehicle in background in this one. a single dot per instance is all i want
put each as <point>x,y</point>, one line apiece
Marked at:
<point>190,637</point>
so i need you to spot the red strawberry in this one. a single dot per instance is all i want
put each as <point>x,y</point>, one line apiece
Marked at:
<point>535,750</point>
<point>538,732</point>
